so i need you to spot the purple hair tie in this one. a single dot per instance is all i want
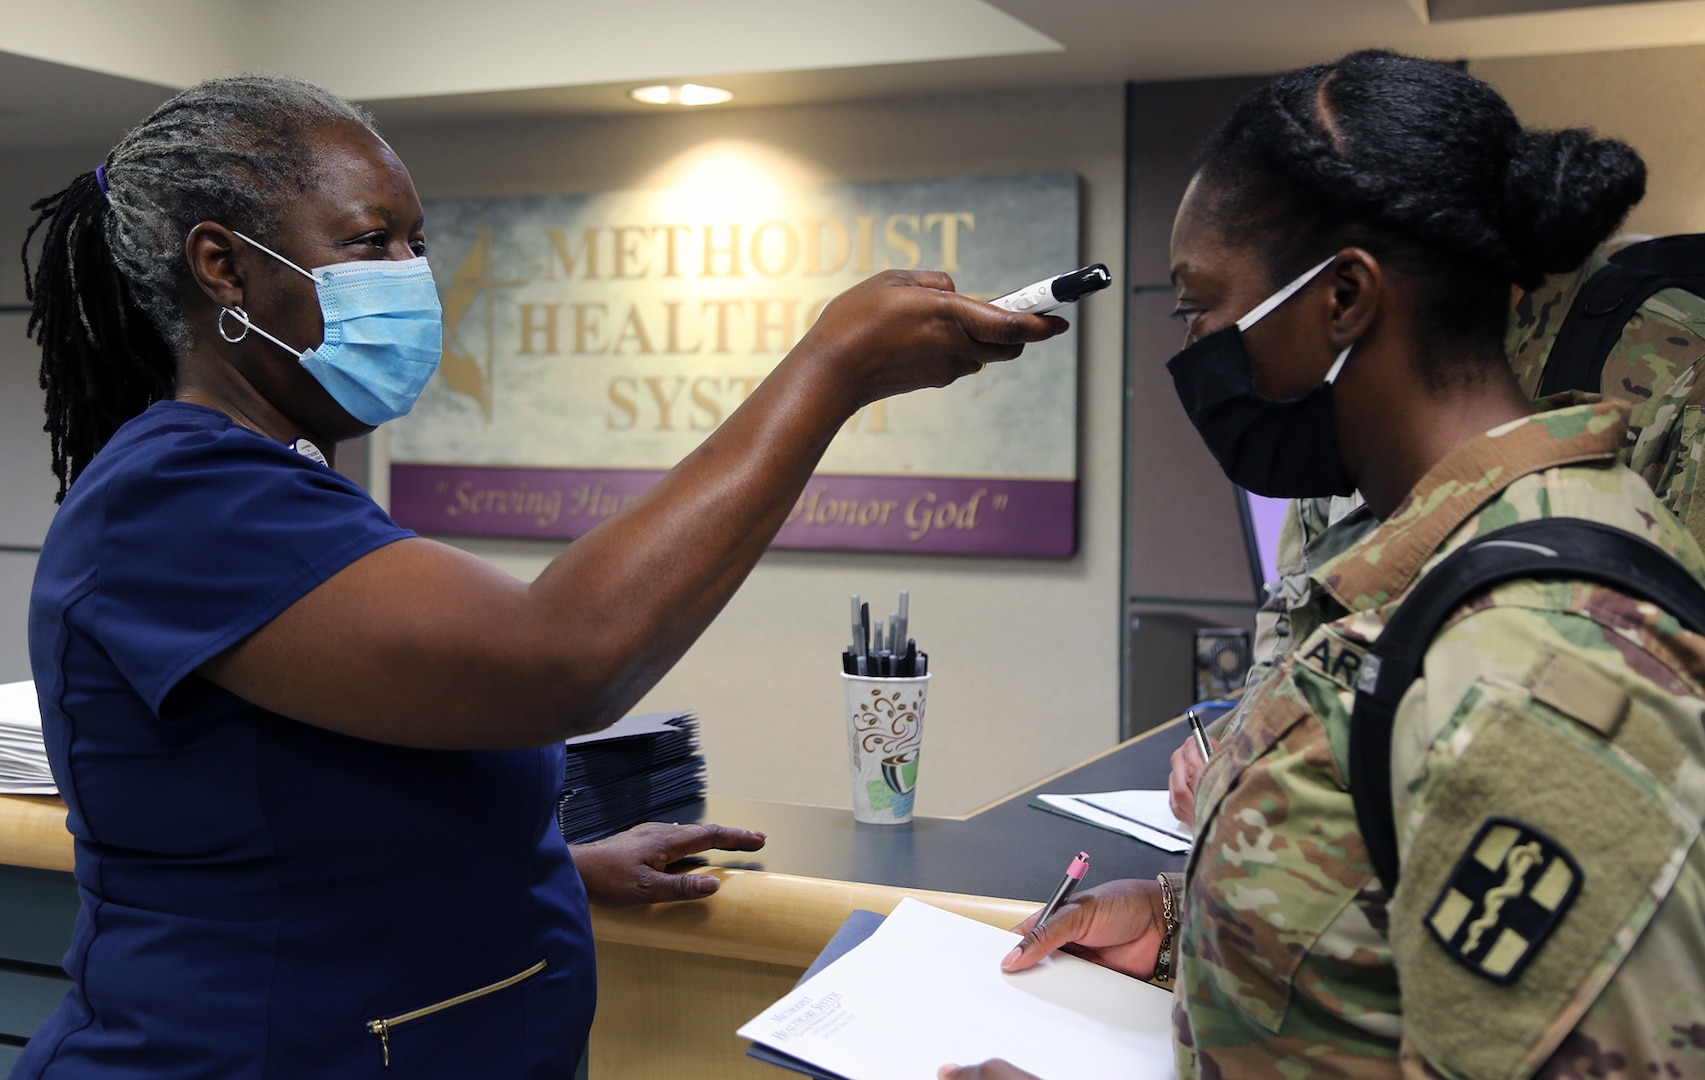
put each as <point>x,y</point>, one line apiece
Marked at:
<point>101,178</point>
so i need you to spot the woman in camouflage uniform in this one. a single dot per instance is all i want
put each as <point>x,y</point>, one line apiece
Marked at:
<point>1552,761</point>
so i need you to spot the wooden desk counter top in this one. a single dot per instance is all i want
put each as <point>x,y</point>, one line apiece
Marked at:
<point>756,915</point>
<point>778,918</point>
<point>780,906</point>
<point>33,826</point>
<point>32,832</point>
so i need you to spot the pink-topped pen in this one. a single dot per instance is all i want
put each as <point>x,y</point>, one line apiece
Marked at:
<point>1074,874</point>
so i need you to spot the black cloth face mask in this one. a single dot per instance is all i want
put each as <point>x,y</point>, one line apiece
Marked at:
<point>1282,449</point>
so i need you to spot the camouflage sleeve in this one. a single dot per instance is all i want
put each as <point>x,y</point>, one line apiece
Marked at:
<point>1650,1020</point>
<point>1656,367</point>
<point>1272,622</point>
<point>1313,530</point>
<point>1535,318</point>
<point>1549,782</point>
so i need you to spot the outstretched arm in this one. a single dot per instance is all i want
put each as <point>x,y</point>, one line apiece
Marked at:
<point>420,644</point>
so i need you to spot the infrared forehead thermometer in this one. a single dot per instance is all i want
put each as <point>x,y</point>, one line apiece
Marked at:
<point>1056,292</point>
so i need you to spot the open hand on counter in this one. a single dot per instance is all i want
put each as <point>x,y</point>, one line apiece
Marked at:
<point>630,869</point>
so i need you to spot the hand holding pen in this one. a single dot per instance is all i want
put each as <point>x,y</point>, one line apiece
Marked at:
<point>1195,723</point>
<point>1074,875</point>
<point>1117,924</point>
<point>1188,762</point>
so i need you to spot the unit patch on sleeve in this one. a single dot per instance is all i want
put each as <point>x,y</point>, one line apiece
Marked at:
<point>1508,892</point>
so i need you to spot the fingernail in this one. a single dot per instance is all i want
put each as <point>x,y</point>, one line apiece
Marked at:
<point>1012,957</point>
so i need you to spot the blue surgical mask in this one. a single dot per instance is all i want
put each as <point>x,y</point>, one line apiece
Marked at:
<point>384,333</point>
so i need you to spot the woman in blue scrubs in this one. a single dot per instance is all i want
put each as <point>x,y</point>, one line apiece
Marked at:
<point>311,758</point>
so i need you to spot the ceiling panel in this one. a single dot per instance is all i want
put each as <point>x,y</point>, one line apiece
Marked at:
<point>83,70</point>
<point>1441,10</point>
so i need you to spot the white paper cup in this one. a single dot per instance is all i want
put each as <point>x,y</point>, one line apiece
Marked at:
<point>885,728</point>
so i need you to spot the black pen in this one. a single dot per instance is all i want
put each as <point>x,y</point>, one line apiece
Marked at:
<point>1074,874</point>
<point>1196,729</point>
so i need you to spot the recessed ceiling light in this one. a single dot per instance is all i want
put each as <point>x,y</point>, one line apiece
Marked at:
<point>694,94</point>
<point>683,94</point>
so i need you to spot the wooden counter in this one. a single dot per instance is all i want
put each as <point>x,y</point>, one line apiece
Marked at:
<point>32,832</point>
<point>676,980</point>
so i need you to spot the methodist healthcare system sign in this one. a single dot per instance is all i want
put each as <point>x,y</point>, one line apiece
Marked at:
<point>592,341</point>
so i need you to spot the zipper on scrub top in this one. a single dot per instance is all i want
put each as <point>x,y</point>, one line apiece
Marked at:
<point>382,1028</point>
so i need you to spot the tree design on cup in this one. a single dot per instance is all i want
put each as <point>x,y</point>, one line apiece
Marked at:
<point>889,727</point>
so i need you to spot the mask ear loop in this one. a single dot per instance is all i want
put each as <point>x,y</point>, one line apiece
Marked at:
<point>1338,364</point>
<point>277,256</point>
<point>236,311</point>
<point>243,318</point>
<point>1261,310</point>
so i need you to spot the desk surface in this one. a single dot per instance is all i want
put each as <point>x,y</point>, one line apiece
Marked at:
<point>1008,849</point>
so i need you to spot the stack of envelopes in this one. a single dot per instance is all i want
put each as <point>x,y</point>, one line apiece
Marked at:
<point>23,759</point>
<point>643,768</point>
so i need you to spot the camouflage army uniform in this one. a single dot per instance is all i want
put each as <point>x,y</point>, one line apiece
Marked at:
<point>1558,729</point>
<point>1657,366</point>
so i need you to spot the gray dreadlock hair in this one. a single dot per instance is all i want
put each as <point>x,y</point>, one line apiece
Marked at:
<point>106,291</point>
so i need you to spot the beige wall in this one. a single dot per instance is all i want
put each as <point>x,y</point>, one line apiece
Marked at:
<point>1652,98</point>
<point>1025,652</point>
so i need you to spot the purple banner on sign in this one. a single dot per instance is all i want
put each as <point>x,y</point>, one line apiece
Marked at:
<point>936,515</point>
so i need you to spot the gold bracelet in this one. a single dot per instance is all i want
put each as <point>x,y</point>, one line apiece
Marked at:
<point>1169,884</point>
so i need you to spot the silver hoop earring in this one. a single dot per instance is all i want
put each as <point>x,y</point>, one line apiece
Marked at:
<point>242,318</point>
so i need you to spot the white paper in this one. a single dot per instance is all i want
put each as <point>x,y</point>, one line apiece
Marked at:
<point>18,708</point>
<point>24,787</point>
<point>926,989</point>
<point>23,758</point>
<point>1146,815</point>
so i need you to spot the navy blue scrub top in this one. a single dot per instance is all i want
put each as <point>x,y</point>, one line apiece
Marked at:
<point>256,891</point>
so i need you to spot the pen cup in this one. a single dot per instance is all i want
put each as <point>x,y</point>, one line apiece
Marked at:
<point>885,727</point>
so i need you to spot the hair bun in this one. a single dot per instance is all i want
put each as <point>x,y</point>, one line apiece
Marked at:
<point>1566,191</point>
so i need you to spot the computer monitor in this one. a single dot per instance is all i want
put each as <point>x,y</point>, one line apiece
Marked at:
<point>1262,518</point>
